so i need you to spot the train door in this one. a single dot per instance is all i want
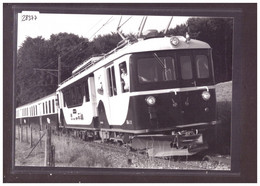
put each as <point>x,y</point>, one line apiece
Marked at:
<point>112,91</point>
<point>118,91</point>
<point>101,86</point>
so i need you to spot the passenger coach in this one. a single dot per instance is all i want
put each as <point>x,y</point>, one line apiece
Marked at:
<point>41,111</point>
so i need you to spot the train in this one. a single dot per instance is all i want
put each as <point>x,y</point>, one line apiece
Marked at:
<point>154,93</point>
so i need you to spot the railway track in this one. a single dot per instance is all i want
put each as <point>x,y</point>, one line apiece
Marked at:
<point>122,156</point>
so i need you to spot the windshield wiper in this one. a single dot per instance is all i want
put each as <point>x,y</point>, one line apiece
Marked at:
<point>159,61</point>
<point>164,66</point>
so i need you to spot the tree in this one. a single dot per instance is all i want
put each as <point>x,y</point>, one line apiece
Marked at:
<point>30,56</point>
<point>106,43</point>
<point>72,50</point>
<point>179,30</point>
<point>38,53</point>
<point>218,32</point>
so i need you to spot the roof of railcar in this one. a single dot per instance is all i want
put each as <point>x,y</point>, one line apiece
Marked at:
<point>146,45</point>
<point>37,101</point>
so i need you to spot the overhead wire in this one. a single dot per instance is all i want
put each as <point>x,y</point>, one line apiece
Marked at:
<point>119,26</point>
<point>79,45</point>
<point>76,47</point>
<point>94,25</point>
<point>101,27</point>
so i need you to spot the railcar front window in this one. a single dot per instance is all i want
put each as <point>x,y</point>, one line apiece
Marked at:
<point>202,66</point>
<point>156,69</point>
<point>186,67</point>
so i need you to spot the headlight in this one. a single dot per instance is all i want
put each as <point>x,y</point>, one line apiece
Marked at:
<point>174,41</point>
<point>205,95</point>
<point>150,100</point>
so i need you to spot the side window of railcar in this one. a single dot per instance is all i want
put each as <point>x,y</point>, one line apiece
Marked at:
<point>43,108</point>
<point>186,67</point>
<point>86,90</point>
<point>79,94</point>
<point>124,77</point>
<point>57,101</point>
<point>73,95</point>
<point>49,106</point>
<point>202,66</point>
<point>112,81</point>
<point>46,109</point>
<point>66,97</point>
<point>53,106</point>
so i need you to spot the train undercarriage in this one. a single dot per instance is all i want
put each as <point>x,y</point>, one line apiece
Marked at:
<point>165,144</point>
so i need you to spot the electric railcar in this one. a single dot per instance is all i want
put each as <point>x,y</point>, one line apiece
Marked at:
<point>167,91</point>
<point>156,93</point>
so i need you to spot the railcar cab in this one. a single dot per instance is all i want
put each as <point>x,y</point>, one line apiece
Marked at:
<point>172,89</point>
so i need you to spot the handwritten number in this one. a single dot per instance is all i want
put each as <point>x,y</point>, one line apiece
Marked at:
<point>29,17</point>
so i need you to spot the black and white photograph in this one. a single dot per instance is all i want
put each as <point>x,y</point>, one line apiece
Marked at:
<point>123,91</point>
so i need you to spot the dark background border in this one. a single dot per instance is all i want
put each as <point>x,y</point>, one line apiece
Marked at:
<point>244,106</point>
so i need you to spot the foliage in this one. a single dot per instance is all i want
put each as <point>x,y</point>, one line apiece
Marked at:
<point>32,54</point>
<point>218,32</point>
<point>178,30</point>
<point>36,55</point>
<point>106,43</point>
